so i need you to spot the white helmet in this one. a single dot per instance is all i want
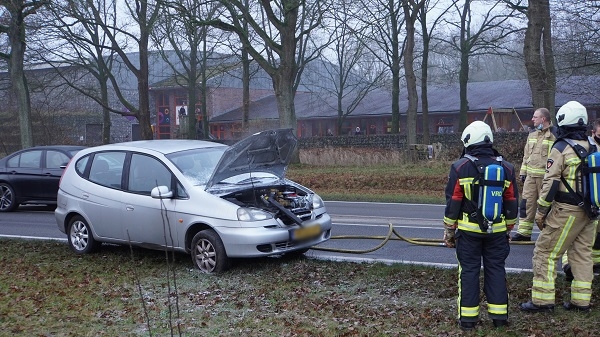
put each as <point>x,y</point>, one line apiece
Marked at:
<point>477,133</point>
<point>572,114</point>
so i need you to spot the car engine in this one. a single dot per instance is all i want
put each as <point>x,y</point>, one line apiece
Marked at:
<point>285,202</point>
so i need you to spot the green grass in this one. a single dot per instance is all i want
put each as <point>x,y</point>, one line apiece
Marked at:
<point>48,291</point>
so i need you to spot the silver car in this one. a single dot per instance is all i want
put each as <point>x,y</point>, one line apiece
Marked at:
<point>213,201</point>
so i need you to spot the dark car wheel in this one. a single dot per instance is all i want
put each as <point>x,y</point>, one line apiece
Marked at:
<point>8,198</point>
<point>208,252</point>
<point>80,236</point>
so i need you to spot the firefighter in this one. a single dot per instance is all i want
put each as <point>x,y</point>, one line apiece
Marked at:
<point>563,223</point>
<point>596,247</point>
<point>474,238</point>
<point>535,154</point>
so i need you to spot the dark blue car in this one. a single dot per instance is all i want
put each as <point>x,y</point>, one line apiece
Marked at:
<point>31,176</point>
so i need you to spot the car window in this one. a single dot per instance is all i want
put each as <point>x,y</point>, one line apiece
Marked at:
<point>55,159</point>
<point>147,172</point>
<point>107,168</point>
<point>81,164</point>
<point>29,159</point>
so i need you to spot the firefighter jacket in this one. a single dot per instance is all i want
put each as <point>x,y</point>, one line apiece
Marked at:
<point>536,152</point>
<point>563,161</point>
<point>462,192</point>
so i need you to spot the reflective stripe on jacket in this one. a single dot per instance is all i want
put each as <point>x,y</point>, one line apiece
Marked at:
<point>461,201</point>
<point>536,152</point>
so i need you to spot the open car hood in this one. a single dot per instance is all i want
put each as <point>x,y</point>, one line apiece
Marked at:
<point>267,151</point>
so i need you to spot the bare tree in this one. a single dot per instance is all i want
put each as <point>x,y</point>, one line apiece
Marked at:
<point>539,56</point>
<point>14,13</point>
<point>285,46</point>
<point>192,47</point>
<point>144,15</point>
<point>352,73</point>
<point>479,36</point>
<point>411,11</point>
<point>75,46</point>
<point>426,32</point>
<point>576,37</point>
<point>384,41</point>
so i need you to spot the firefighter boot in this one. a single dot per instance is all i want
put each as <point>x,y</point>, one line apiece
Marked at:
<point>530,307</point>
<point>520,237</point>
<point>568,272</point>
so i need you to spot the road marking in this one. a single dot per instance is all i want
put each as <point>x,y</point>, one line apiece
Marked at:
<point>389,262</point>
<point>31,237</point>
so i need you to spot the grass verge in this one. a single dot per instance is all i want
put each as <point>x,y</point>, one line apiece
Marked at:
<point>48,291</point>
<point>410,183</point>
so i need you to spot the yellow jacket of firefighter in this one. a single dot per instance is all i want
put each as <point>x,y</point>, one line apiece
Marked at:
<point>563,161</point>
<point>536,152</point>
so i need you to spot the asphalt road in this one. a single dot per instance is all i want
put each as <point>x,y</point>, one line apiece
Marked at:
<point>349,218</point>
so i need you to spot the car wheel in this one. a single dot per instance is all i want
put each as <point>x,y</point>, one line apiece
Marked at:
<point>80,236</point>
<point>208,252</point>
<point>8,198</point>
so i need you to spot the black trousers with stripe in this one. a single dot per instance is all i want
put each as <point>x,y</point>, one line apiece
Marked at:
<point>471,250</point>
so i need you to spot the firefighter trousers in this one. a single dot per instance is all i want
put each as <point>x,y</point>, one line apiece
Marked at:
<point>528,206</point>
<point>471,249</point>
<point>567,227</point>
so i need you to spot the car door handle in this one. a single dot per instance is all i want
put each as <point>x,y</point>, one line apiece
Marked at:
<point>129,208</point>
<point>85,195</point>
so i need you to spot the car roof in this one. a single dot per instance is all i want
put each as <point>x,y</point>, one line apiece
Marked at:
<point>62,147</point>
<point>164,146</point>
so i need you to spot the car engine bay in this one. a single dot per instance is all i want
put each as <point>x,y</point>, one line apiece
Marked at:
<point>286,202</point>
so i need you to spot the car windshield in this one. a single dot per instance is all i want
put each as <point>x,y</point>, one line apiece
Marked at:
<point>197,165</point>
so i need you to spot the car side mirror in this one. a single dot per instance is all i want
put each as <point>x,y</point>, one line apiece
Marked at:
<point>161,192</point>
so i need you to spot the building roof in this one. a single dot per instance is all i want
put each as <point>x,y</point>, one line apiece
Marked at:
<point>505,94</point>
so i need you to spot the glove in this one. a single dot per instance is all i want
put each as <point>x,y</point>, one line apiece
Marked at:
<point>540,218</point>
<point>523,178</point>
<point>449,235</point>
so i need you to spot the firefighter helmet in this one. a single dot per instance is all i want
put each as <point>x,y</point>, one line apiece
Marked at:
<point>476,133</point>
<point>572,113</point>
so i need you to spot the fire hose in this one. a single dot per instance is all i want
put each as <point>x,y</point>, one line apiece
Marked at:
<point>394,236</point>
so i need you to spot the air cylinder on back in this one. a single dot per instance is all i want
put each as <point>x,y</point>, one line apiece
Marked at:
<point>490,193</point>
<point>593,162</point>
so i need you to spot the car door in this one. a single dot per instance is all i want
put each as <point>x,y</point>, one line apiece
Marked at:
<point>24,173</point>
<point>100,193</point>
<point>148,221</point>
<point>51,173</point>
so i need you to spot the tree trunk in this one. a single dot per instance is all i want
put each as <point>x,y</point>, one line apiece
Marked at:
<point>463,76</point>
<point>395,68</point>
<point>143,86</point>
<point>17,77</point>
<point>424,75</point>
<point>539,56</point>
<point>411,79</point>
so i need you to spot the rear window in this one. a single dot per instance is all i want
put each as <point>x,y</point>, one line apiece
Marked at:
<point>107,168</point>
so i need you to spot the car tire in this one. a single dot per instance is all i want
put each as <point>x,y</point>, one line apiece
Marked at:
<point>81,239</point>
<point>8,198</point>
<point>208,252</point>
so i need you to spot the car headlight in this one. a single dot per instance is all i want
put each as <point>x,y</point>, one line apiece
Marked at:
<point>317,202</point>
<point>252,214</point>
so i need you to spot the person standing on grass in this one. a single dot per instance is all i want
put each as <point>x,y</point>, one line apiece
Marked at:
<point>564,217</point>
<point>596,247</point>
<point>535,154</point>
<point>475,235</point>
